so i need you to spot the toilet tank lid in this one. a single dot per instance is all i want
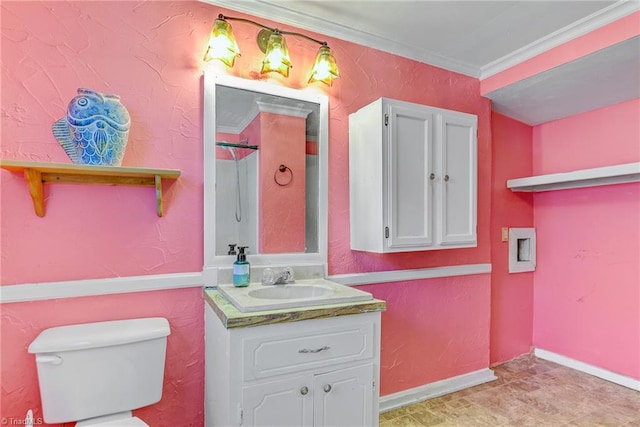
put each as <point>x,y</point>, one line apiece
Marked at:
<point>99,334</point>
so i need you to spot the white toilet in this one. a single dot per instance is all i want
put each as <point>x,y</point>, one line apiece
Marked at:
<point>97,373</point>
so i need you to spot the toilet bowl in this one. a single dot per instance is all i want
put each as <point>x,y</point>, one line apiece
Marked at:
<point>98,373</point>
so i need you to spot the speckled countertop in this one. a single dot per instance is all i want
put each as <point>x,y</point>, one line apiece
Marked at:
<point>231,317</point>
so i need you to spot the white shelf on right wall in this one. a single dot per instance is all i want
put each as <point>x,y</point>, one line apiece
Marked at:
<point>608,175</point>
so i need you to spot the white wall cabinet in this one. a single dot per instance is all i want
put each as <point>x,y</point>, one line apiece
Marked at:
<point>319,372</point>
<point>412,177</point>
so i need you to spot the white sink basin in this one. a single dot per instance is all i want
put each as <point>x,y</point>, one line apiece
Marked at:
<point>303,293</point>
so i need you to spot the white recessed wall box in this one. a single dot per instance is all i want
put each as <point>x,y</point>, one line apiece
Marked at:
<point>522,250</point>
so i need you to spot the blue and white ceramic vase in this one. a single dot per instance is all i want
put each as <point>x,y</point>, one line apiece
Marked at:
<point>95,130</point>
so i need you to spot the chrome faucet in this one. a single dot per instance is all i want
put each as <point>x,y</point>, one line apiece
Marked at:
<point>277,276</point>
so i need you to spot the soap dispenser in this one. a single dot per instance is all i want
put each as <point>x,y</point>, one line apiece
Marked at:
<point>241,269</point>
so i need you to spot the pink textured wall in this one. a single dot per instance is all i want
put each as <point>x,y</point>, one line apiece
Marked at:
<point>414,344</point>
<point>603,137</point>
<point>587,298</point>
<point>432,330</point>
<point>608,35</point>
<point>149,53</point>
<point>281,222</point>
<point>511,294</point>
<point>183,389</point>
<point>368,75</point>
<point>417,347</point>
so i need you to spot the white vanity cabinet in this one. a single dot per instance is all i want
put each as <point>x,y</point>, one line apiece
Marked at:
<point>335,398</point>
<point>412,177</point>
<point>318,372</point>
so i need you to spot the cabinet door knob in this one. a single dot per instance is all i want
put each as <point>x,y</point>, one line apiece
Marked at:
<point>432,176</point>
<point>304,391</point>
<point>446,177</point>
<point>327,388</point>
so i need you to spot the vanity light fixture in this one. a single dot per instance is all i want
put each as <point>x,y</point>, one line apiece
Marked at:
<point>271,41</point>
<point>276,56</point>
<point>222,43</point>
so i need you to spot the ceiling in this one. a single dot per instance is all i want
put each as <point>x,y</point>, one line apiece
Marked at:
<point>482,38</point>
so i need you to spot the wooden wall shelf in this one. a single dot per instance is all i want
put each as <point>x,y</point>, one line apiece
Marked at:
<point>37,173</point>
<point>608,175</point>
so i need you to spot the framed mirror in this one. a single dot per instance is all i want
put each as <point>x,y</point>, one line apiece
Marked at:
<point>265,173</point>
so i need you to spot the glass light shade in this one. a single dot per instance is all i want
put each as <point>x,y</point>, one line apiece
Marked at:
<point>276,57</point>
<point>222,43</point>
<point>324,68</point>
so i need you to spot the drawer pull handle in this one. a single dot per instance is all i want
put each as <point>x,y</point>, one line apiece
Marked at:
<point>327,388</point>
<point>446,177</point>
<point>317,350</point>
<point>304,391</point>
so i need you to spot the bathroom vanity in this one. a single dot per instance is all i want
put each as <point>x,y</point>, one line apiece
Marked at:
<point>305,366</point>
<point>305,354</point>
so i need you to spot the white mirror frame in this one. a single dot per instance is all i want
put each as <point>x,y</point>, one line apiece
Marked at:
<point>213,262</point>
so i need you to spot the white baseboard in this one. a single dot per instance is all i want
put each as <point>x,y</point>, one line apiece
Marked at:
<point>438,388</point>
<point>605,374</point>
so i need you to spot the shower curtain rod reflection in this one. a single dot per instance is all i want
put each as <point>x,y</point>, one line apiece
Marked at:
<point>243,143</point>
<point>235,145</point>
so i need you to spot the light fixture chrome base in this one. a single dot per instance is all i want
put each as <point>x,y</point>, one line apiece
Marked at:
<point>263,39</point>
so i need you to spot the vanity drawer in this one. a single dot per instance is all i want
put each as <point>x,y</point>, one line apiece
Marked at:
<point>296,351</point>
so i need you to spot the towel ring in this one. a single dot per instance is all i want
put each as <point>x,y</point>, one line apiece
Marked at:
<point>282,169</point>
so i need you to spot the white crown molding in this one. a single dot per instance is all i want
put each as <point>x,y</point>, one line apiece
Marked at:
<point>248,119</point>
<point>283,110</point>
<point>280,13</point>
<point>229,129</point>
<point>435,389</point>
<point>576,29</point>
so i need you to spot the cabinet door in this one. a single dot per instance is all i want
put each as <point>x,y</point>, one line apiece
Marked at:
<point>287,402</point>
<point>457,213</point>
<point>344,398</point>
<point>409,182</point>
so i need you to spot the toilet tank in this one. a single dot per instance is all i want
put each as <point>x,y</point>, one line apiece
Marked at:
<point>96,369</point>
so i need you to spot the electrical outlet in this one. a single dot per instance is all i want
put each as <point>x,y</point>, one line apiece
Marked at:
<point>505,234</point>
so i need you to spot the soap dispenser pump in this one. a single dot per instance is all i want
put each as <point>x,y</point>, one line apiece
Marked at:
<point>241,269</point>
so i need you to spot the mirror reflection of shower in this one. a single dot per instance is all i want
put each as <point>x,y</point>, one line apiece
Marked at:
<point>234,155</point>
<point>237,219</point>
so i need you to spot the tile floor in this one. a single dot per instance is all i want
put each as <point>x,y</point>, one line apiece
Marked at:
<point>528,392</point>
